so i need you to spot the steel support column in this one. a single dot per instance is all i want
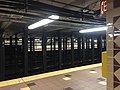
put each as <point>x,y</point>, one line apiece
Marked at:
<point>54,43</point>
<point>92,46</point>
<point>72,48</point>
<point>10,40</point>
<point>31,40</point>
<point>16,52</point>
<point>60,50</point>
<point>16,40</point>
<point>79,48</point>
<point>33,44</point>
<point>51,43</point>
<point>100,46</point>
<point>83,49</point>
<point>2,56</point>
<point>25,46</point>
<point>44,40</point>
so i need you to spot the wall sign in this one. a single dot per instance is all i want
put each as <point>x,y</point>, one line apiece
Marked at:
<point>103,6</point>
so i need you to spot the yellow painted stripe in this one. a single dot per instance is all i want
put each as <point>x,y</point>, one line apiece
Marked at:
<point>45,75</point>
<point>104,64</point>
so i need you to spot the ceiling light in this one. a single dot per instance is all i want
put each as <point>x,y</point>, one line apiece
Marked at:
<point>54,17</point>
<point>43,22</point>
<point>94,30</point>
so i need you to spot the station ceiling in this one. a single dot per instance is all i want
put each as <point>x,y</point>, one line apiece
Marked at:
<point>16,15</point>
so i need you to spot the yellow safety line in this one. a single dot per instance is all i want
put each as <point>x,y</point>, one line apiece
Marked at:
<point>45,75</point>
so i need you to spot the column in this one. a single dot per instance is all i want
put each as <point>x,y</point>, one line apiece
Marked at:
<point>25,47</point>
<point>72,48</point>
<point>44,40</point>
<point>2,56</point>
<point>113,45</point>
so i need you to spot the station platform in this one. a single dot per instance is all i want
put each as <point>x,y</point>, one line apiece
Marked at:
<point>79,78</point>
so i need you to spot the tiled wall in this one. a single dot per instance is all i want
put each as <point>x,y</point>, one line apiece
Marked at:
<point>113,45</point>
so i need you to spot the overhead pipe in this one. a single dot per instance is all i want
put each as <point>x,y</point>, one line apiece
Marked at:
<point>47,6</point>
<point>36,16</point>
<point>19,13</point>
<point>40,7</point>
<point>33,5</point>
<point>71,5</point>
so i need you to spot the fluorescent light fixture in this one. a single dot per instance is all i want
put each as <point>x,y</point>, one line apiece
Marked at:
<point>43,22</point>
<point>54,17</point>
<point>93,30</point>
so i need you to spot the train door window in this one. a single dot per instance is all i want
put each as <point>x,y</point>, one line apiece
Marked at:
<point>103,43</point>
<point>80,43</point>
<point>85,43</point>
<point>38,45</point>
<point>95,43</point>
<point>52,42</point>
<point>90,42</point>
<point>29,45</point>
<point>75,44</point>
<point>13,41</point>
<point>68,44</point>
<point>48,44</point>
<point>62,43</point>
<point>56,43</point>
<point>7,41</point>
<point>19,42</point>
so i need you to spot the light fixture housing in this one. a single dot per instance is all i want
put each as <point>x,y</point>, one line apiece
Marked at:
<point>93,30</point>
<point>43,22</point>
<point>55,17</point>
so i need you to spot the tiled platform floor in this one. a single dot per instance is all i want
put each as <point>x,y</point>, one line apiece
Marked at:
<point>77,80</point>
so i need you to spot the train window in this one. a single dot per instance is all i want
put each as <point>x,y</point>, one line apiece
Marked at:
<point>56,43</point>
<point>80,43</point>
<point>103,45</point>
<point>28,45</point>
<point>75,44</point>
<point>19,42</point>
<point>62,44</point>
<point>13,41</point>
<point>85,44</point>
<point>7,41</point>
<point>48,44</point>
<point>38,45</point>
<point>69,44</point>
<point>90,41</point>
<point>52,42</point>
<point>95,43</point>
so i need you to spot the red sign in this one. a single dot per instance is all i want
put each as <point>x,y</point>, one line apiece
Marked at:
<point>103,6</point>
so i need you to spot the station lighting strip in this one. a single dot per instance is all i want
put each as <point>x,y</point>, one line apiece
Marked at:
<point>43,22</point>
<point>93,30</point>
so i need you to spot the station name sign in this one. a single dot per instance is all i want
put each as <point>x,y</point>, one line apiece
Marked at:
<point>103,6</point>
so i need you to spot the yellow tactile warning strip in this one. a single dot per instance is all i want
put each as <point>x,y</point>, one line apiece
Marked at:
<point>45,75</point>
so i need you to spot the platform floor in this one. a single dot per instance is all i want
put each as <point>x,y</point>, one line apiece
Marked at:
<point>79,78</point>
